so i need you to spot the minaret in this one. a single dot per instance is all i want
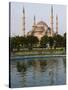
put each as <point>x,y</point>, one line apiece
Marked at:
<point>51,22</point>
<point>56,24</point>
<point>34,24</point>
<point>23,21</point>
<point>34,20</point>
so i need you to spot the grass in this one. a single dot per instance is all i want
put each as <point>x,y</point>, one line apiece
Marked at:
<point>58,51</point>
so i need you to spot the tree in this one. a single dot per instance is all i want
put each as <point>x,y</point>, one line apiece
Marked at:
<point>51,41</point>
<point>58,40</point>
<point>15,43</point>
<point>44,41</point>
<point>64,40</point>
<point>31,41</point>
<point>18,42</point>
<point>12,43</point>
<point>23,41</point>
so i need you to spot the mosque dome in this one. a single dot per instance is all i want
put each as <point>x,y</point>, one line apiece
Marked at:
<point>42,23</point>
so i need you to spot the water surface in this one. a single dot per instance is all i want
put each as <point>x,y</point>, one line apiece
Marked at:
<point>38,72</point>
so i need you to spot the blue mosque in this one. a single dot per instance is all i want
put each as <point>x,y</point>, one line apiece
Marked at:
<point>40,28</point>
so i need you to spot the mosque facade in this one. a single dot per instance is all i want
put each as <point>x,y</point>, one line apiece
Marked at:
<point>40,28</point>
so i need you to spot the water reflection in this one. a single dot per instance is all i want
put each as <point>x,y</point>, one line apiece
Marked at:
<point>37,65</point>
<point>21,67</point>
<point>39,72</point>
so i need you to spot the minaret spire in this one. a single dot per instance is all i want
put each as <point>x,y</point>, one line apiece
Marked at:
<point>51,10</point>
<point>56,24</point>
<point>23,21</point>
<point>51,21</point>
<point>34,20</point>
<point>34,23</point>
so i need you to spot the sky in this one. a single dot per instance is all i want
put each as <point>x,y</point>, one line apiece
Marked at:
<point>42,12</point>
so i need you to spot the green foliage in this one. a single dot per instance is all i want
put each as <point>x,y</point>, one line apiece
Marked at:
<point>15,43</point>
<point>31,41</point>
<point>23,42</point>
<point>51,41</point>
<point>44,41</point>
<point>58,40</point>
<point>64,41</point>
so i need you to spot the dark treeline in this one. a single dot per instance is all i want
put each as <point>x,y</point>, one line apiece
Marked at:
<point>20,42</point>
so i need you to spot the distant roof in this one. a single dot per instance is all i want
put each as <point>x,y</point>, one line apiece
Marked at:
<point>42,23</point>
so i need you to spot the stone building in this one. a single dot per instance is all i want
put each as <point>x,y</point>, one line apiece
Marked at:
<point>39,29</point>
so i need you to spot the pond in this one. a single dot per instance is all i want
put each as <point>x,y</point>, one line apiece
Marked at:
<point>37,72</point>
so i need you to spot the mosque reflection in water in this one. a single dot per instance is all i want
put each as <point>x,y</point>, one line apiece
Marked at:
<point>38,72</point>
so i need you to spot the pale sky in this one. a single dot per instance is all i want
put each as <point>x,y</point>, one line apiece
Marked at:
<point>42,13</point>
